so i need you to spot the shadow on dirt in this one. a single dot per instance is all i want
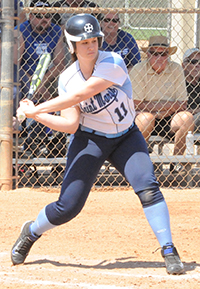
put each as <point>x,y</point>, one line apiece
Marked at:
<point>122,263</point>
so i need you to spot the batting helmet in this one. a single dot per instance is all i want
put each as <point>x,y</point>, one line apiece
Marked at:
<point>80,27</point>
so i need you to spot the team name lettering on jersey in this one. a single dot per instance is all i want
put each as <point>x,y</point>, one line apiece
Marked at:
<point>99,101</point>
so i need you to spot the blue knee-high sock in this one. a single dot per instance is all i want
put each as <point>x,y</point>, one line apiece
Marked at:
<point>41,224</point>
<point>159,220</point>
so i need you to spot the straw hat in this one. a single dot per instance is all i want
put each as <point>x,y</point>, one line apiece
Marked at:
<point>160,41</point>
<point>190,52</point>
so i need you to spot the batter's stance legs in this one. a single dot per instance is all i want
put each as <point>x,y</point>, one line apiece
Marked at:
<point>27,238</point>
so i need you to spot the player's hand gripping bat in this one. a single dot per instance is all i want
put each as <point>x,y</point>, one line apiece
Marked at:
<point>38,75</point>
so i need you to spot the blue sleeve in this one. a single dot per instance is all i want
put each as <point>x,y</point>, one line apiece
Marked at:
<point>134,53</point>
<point>20,4</point>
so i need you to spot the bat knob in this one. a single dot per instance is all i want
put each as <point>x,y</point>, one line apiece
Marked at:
<point>20,115</point>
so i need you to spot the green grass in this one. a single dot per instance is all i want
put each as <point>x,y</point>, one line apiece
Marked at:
<point>144,34</point>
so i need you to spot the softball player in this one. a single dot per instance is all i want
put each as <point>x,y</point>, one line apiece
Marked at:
<point>95,96</point>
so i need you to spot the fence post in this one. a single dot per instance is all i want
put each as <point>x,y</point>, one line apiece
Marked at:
<point>184,38</point>
<point>6,98</point>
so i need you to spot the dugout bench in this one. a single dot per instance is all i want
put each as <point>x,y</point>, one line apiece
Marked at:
<point>158,160</point>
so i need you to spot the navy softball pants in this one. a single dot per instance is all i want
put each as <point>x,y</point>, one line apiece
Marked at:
<point>87,153</point>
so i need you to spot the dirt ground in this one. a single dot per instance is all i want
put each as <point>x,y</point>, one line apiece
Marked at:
<point>108,245</point>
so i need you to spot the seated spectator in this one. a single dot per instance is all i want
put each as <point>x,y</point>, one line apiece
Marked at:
<point>119,41</point>
<point>38,35</point>
<point>160,96</point>
<point>191,66</point>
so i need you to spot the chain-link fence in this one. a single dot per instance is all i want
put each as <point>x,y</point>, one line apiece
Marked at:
<point>39,154</point>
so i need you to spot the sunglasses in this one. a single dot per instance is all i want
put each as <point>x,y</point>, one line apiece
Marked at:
<point>155,53</point>
<point>114,20</point>
<point>41,16</point>
<point>194,61</point>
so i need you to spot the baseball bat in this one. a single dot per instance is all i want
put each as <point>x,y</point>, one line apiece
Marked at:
<point>38,75</point>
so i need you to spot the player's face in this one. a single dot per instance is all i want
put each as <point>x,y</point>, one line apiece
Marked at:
<point>192,65</point>
<point>40,22</point>
<point>87,49</point>
<point>110,23</point>
<point>158,58</point>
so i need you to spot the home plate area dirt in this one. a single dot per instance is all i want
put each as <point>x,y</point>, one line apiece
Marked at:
<point>109,245</point>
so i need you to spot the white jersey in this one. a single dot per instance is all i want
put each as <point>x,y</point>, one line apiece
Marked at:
<point>111,111</point>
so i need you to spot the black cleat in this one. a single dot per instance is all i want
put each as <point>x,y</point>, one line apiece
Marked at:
<point>173,263</point>
<point>23,245</point>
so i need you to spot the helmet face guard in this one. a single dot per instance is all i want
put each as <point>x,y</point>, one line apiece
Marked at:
<point>82,27</point>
